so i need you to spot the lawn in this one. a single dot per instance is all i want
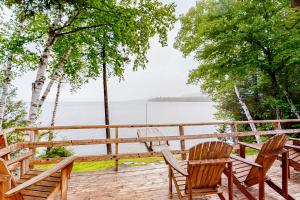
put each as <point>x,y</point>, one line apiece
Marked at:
<point>103,165</point>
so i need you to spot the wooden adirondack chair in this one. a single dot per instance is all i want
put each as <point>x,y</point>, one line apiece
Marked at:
<point>201,174</point>
<point>34,184</point>
<point>247,173</point>
<point>294,153</point>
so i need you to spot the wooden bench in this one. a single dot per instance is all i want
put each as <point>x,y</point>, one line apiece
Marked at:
<point>34,184</point>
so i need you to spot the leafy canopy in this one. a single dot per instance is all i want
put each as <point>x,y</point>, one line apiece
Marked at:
<point>252,44</point>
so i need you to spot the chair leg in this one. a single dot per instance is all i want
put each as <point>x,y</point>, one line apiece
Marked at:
<point>285,173</point>
<point>170,179</point>
<point>230,182</point>
<point>278,189</point>
<point>261,184</point>
<point>241,187</point>
<point>190,195</point>
<point>221,196</point>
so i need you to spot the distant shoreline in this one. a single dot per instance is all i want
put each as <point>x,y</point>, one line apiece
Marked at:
<point>180,99</point>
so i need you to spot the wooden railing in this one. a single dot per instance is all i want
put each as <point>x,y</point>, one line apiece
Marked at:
<point>181,136</point>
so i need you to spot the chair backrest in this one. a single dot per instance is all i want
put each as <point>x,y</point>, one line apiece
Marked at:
<point>266,157</point>
<point>10,183</point>
<point>207,175</point>
<point>3,144</point>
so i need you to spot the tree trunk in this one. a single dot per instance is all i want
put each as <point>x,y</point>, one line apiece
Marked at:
<point>295,3</point>
<point>50,134</point>
<point>292,105</point>
<point>5,86</point>
<point>247,112</point>
<point>7,72</point>
<point>37,85</point>
<point>108,146</point>
<point>56,103</point>
<point>55,76</point>
<point>275,93</point>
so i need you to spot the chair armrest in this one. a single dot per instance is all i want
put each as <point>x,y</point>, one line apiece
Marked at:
<point>41,176</point>
<point>253,146</point>
<point>9,149</point>
<point>245,161</point>
<point>170,160</point>
<point>275,153</point>
<point>295,139</point>
<point>290,146</point>
<point>210,161</point>
<point>18,159</point>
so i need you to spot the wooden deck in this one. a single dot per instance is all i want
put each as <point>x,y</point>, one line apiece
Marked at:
<point>151,182</point>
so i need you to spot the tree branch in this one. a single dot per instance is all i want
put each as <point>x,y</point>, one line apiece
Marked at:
<point>281,66</point>
<point>80,29</point>
<point>68,22</point>
<point>293,26</point>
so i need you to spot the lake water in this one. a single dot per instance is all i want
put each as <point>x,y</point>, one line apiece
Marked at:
<point>131,112</point>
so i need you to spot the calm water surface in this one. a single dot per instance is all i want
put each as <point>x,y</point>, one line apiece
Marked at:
<point>131,112</point>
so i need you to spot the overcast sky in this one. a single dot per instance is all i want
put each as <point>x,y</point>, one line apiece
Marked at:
<point>166,75</point>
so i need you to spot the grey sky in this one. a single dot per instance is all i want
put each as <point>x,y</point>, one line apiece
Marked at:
<point>166,75</point>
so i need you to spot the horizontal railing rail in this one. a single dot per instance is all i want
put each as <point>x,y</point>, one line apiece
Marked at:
<point>32,144</point>
<point>151,139</point>
<point>73,127</point>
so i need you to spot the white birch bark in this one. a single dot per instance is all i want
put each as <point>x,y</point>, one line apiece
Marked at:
<point>56,104</point>
<point>50,133</point>
<point>57,74</point>
<point>39,82</point>
<point>247,112</point>
<point>37,85</point>
<point>7,72</point>
<point>292,105</point>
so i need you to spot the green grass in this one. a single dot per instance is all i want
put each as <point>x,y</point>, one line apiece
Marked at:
<point>103,165</point>
<point>251,152</point>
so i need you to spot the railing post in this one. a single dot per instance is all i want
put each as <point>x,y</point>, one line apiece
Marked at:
<point>33,137</point>
<point>182,143</point>
<point>233,128</point>
<point>277,125</point>
<point>117,151</point>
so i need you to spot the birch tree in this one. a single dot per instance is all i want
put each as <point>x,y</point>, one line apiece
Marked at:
<point>124,18</point>
<point>12,44</point>
<point>246,111</point>
<point>292,105</point>
<point>53,117</point>
<point>253,43</point>
<point>58,73</point>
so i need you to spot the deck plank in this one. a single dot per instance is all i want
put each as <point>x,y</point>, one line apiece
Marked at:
<point>151,182</point>
<point>155,146</point>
